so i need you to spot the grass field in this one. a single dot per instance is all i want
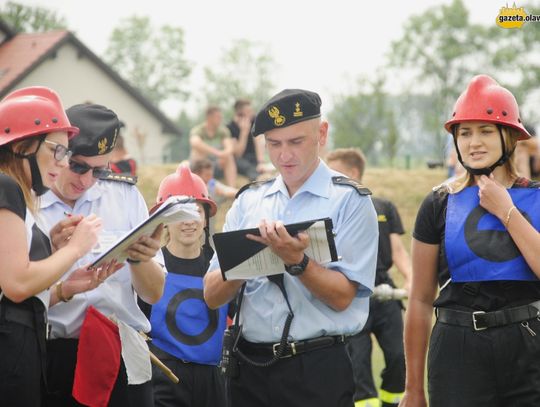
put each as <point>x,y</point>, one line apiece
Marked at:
<point>406,188</point>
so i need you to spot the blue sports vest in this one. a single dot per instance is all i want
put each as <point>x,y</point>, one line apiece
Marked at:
<point>478,247</point>
<point>183,325</point>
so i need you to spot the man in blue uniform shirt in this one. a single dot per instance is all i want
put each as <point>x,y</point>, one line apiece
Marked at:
<point>291,346</point>
<point>81,190</point>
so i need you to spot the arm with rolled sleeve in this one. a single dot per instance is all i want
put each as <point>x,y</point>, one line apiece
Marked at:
<point>147,276</point>
<point>358,229</point>
<point>357,235</point>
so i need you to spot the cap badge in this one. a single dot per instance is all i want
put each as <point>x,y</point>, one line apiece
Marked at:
<point>102,146</point>
<point>274,113</point>
<point>297,111</point>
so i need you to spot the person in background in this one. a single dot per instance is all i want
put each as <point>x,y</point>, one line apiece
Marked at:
<point>186,334</point>
<point>33,151</point>
<point>205,169</point>
<point>527,155</point>
<point>475,261</point>
<point>87,186</point>
<point>248,151</point>
<point>385,319</point>
<point>291,344</point>
<point>212,140</point>
<point>121,161</point>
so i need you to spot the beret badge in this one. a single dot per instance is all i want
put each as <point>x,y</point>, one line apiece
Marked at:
<point>297,111</point>
<point>279,119</point>
<point>102,146</point>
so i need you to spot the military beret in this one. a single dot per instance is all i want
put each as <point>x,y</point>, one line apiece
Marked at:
<point>288,107</point>
<point>98,126</point>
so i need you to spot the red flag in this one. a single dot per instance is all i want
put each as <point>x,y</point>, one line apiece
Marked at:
<point>98,360</point>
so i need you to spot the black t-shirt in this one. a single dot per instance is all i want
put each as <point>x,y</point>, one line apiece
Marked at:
<point>12,199</point>
<point>249,153</point>
<point>389,222</point>
<point>485,296</point>
<point>11,196</point>
<point>190,267</point>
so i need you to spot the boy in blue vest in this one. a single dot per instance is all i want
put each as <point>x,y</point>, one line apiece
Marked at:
<point>187,335</point>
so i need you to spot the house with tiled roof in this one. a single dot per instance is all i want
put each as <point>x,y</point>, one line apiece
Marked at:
<point>60,61</point>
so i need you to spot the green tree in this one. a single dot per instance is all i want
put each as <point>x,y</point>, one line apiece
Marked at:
<point>365,119</point>
<point>152,60</point>
<point>513,54</point>
<point>23,18</point>
<point>441,50</point>
<point>438,51</point>
<point>244,70</point>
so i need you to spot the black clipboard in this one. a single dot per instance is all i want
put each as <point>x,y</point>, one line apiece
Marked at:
<point>233,248</point>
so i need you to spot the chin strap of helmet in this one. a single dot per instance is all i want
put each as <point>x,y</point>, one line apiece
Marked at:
<point>488,170</point>
<point>37,181</point>
<point>207,247</point>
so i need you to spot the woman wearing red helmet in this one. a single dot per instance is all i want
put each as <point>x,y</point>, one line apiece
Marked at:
<point>34,132</point>
<point>477,238</point>
<point>186,334</point>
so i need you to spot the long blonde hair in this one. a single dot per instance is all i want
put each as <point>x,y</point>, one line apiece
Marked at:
<point>510,137</point>
<point>14,167</point>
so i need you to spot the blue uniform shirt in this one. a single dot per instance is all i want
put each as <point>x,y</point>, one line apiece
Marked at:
<point>264,309</point>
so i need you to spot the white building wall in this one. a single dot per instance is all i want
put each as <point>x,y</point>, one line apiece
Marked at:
<point>79,80</point>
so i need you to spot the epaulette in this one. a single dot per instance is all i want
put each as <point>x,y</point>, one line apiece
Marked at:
<point>254,184</point>
<point>362,190</point>
<point>129,179</point>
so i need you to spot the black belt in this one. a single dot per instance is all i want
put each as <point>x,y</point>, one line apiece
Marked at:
<point>480,320</point>
<point>292,348</point>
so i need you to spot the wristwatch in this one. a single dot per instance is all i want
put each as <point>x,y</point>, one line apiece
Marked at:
<point>297,269</point>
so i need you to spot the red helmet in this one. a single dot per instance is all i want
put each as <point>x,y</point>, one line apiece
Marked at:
<point>184,182</point>
<point>32,111</point>
<point>485,100</point>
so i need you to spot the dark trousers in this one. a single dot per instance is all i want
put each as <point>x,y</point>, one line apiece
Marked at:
<point>320,378</point>
<point>385,321</point>
<point>496,367</point>
<point>199,386</point>
<point>61,361</point>
<point>22,358</point>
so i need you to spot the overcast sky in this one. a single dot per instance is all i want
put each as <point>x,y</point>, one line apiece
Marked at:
<point>319,45</point>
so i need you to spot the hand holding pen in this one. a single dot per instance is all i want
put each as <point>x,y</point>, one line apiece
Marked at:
<point>76,230</point>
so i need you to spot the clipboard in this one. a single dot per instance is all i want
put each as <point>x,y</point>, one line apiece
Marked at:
<point>174,209</point>
<point>242,258</point>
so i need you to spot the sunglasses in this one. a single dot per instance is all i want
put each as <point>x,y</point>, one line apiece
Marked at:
<point>81,168</point>
<point>60,151</point>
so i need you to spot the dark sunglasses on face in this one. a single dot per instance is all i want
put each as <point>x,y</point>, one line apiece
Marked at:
<point>60,151</point>
<point>82,168</point>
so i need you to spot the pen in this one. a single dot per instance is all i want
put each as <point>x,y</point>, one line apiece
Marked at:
<point>67,214</point>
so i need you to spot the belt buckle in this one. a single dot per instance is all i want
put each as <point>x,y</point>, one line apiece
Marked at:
<point>476,327</point>
<point>292,346</point>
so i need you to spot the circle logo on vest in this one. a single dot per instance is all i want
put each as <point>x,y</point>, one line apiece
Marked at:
<point>188,338</point>
<point>489,244</point>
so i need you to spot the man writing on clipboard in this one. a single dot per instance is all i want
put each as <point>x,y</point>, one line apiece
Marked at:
<point>79,191</point>
<point>294,326</point>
